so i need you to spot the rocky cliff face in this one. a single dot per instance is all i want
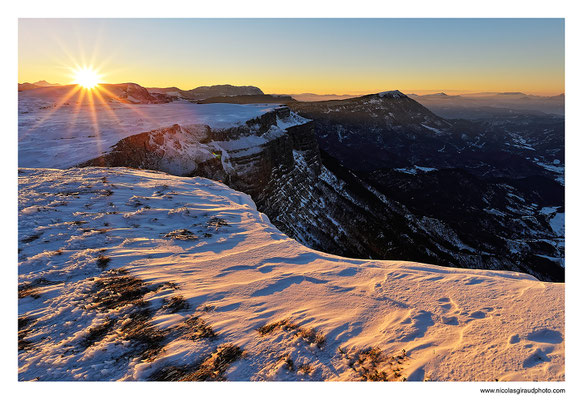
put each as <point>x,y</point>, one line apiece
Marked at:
<point>249,156</point>
<point>391,130</point>
<point>486,194</point>
<point>314,198</point>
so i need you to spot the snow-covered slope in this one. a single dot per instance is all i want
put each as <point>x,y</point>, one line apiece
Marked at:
<point>127,274</point>
<point>51,137</point>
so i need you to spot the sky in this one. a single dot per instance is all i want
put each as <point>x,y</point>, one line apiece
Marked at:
<point>322,56</point>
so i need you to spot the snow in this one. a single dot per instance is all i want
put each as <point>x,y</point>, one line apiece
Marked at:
<point>552,167</point>
<point>557,223</point>
<point>293,119</point>
<point>237,273</point>
<point>493,211</point>
<point>69,135</point>
<point>414,169</point>
<point>549,210</point>
<point>556,219</point>
<point>183,150</point>
<point>395,94</point>
<point>253,144</point>
<point>559,170</point>
<point>435,130</point>
<point>520,142</point>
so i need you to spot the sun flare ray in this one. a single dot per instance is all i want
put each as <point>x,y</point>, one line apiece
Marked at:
<point>56,108</point>
<point>93,113</point>
<point>128,106</point>
<point>75,114</point>
<point>109,109</point>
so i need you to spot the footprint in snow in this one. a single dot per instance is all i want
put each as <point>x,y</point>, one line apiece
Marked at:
<point>514,339</point>
<point>539,356</point>
<point>449,320</point>
<point>545,336</point>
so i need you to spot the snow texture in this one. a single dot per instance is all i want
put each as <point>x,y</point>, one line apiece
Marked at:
<point>53,137</point>
<point>414,169</point>
<point>199,272</point>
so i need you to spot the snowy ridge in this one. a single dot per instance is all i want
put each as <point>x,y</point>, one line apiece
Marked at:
<point>70,135</point>
<point>200,275</point>
<point>395,94</point>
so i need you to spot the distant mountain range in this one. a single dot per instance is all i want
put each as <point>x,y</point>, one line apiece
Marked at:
<point>204,92</point>
<point>131,93</point>
<point>321,97</point>
<point>482,105</point>
<point>487,105</point>
<point>35,85</point>
<point>134,93</point>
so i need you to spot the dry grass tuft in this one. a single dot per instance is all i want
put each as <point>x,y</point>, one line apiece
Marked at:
<point>181,234</point>
<point>147,339</point>
<point>116,289</point>
<point>24,323</point>
<point>211,368</point>
<point>97,333</point>
<point>175,304</point>
<point>196,328</point>
<point>310,335</point>
<point>30,238</point>
<point>103,261</point>
<point>305,369</point>
<point>284,324</point>
<point>367,364</point>
<point>216,222</point>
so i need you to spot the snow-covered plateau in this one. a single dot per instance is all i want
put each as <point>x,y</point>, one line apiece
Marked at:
<point>56,135</point>
<point>135,275</point>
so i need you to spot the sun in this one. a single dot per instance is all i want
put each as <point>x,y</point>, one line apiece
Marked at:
<point>86,77</point>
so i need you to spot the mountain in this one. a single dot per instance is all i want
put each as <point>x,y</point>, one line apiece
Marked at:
<point>244,154</point>
<point>472,193</point>
<point>45,83</point>
<point>398,132</point>
<point>204,92</point>
<point>132,93</point>
<point>57,95</point>
<point>139,275</point>
<point>371,124</point>
<point>35,85</point>
<point>325,205</point>
<point>321,97</point>
<point>74,133</point>
<point>489,105</point>
<point>249,99</point>
<point>373,177</point>
<point>224,90</point>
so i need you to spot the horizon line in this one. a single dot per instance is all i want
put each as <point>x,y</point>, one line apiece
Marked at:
<point>359,93</point>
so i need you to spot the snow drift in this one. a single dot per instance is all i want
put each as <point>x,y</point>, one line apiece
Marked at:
<point>135,275</point>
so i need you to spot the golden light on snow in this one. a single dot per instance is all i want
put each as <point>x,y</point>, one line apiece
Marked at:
<point>86,77</point>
